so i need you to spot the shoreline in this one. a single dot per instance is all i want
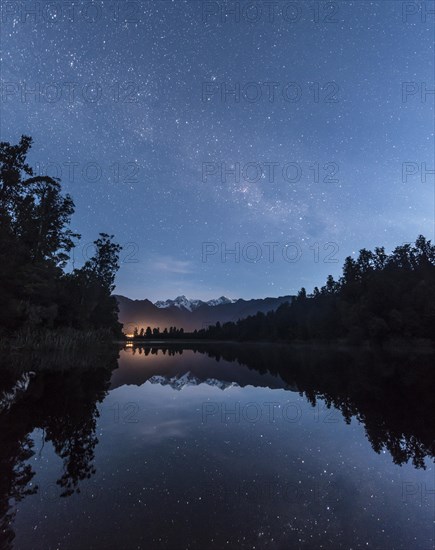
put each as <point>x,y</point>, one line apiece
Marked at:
<point>392,345</point>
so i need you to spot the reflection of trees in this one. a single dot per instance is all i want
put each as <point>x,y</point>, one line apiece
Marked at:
<point>147,349</point>
<point>63,403</point>
<point>391,395</point>
<point>14,482</point>
<point>72,432</point>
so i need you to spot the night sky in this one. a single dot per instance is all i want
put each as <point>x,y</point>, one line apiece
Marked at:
<point>141,107</point>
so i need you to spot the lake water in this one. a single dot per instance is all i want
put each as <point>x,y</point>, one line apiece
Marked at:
<point>224,446</point>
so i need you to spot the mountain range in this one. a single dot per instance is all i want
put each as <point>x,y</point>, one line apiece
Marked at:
<point>191,305</point>
<point>190,314</point>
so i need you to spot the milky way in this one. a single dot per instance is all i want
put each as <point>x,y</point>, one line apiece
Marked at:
<point>236,148</point>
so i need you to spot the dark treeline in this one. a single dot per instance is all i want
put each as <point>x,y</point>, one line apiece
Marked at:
<point>149,333</point>
<point>37,293</point>
<point>379,297</point>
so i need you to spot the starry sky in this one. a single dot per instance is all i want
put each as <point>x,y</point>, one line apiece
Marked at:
<point>293,134</point>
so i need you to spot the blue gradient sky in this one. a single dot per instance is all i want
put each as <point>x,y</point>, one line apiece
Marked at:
<point>142,114</point>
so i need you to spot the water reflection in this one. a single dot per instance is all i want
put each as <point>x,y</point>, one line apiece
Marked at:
<point>144,416</point>
<point>60,402</point>
<point>391,395</point>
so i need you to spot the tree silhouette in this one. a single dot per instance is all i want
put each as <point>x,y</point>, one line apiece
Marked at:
<point>35,244</point>
<point>379,297</point>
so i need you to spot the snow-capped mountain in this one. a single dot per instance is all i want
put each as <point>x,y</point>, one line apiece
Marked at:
<point>191,305</point>
<point>190,314</point>
<point>220,301</point>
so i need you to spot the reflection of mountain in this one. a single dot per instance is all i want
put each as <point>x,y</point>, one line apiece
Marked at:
<point>141,364</point>
<point>392,396</point>
<point>187,379</point>
<point>190,314</point>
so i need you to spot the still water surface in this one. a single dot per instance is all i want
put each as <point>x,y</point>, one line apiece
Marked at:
<point>245,447</point>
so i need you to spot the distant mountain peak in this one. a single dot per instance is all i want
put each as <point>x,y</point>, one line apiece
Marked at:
<point>191,305</point>
<point>190,314</point>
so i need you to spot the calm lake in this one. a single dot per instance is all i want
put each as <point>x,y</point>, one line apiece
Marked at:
<point>218,446</point>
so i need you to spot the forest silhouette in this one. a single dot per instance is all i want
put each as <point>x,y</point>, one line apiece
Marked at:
<point>36,241</point>
<point>380,297</point>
